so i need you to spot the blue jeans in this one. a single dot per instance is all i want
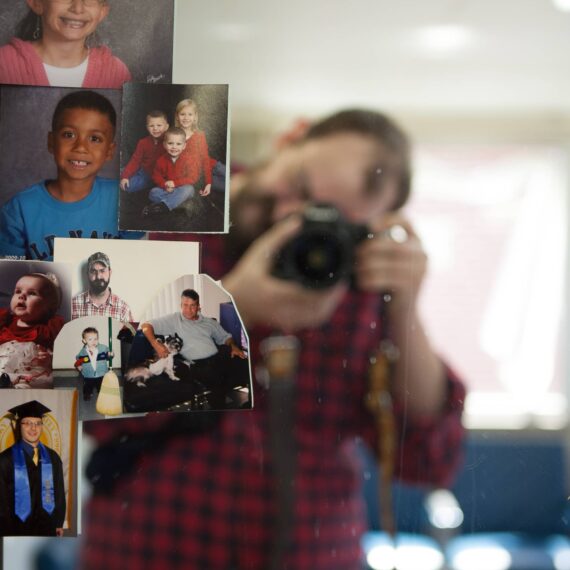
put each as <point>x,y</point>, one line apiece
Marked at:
<point>140,180</point>
<point>171,199</point>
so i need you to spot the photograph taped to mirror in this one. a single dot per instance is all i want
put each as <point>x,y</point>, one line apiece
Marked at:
<point>34,305</point>
<point>38,463</point>
<point>174,152</point>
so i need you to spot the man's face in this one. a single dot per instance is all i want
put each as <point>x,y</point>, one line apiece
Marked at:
<point>81,143</point>
<point>348,170</point>
<point>99,277</point>
<point>31,430</point>
<point>189,308</point>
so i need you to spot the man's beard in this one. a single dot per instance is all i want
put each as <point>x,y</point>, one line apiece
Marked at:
<point>98,286</point>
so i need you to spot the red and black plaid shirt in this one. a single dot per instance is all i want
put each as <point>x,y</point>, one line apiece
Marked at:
<point>207,501</point>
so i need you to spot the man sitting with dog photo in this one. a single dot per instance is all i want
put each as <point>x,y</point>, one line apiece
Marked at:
<point>203,342</point>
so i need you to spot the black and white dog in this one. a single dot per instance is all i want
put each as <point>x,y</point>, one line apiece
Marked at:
<point>140,374</point>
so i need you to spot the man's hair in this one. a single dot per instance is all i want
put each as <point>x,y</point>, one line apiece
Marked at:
<point>89,330</point>
<point>157,114</point>
<point>379,127</point>
<point>191,294</point>
<point>88,100</point>
<point>175,131</point>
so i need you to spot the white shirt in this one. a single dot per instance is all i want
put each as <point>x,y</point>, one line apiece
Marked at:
<point>67,76</point>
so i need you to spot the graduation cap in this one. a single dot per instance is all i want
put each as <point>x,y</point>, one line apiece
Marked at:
<point>32,409</point>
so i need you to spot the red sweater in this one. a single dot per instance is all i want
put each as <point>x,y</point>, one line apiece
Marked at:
<point>41,333</point>
<point>182,171</point>
<point>145,156</point>
<point>20,64</point>
<point>196,152</point>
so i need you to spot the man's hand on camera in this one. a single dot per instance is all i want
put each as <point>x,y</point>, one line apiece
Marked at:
<point>396,267</point>
<point>263,299</point>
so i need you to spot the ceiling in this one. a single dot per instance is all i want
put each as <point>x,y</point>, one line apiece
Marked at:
<point>282,59</point>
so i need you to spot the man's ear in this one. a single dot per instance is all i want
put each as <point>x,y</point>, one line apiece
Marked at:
<point>50,142</point>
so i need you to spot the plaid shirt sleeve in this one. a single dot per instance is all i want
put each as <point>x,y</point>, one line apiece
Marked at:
<point>431,448</point>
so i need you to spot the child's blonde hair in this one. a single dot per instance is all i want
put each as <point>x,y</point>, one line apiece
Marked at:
<point>175,131</point>
<point>180,106</point>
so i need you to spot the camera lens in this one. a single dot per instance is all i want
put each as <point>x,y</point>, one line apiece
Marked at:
<point>322,253</point>
<point>317,259</point>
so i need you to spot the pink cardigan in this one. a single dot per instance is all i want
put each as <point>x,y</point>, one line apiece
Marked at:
<point>20,64</point>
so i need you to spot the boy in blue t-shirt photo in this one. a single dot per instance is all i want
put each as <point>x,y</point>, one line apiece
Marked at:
<point>77,203</point>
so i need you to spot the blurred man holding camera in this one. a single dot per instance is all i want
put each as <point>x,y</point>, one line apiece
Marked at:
<point>209,498</point>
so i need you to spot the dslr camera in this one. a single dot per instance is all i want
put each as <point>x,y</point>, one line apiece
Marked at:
<point>322,254</point>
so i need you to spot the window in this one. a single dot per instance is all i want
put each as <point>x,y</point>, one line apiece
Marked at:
<point>494,223</point>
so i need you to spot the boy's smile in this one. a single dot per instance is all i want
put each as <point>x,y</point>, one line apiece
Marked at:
<point>156,126</point>
<point>174,145</point>
<point>81,144</point>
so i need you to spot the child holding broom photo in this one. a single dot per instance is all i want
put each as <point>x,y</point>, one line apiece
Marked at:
<point>92,362</point>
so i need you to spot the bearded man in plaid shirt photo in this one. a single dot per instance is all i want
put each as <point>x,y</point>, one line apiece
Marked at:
<point>99,299</point>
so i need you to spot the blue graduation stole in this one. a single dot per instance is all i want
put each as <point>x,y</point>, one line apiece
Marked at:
<point>22,494</point>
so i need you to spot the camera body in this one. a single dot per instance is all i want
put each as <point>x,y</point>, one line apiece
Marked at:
<point>322,254</point>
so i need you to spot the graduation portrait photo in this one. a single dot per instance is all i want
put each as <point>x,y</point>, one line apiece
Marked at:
<point>38,463</point>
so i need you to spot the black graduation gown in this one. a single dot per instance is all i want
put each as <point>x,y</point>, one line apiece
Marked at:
<point>39,523</point>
